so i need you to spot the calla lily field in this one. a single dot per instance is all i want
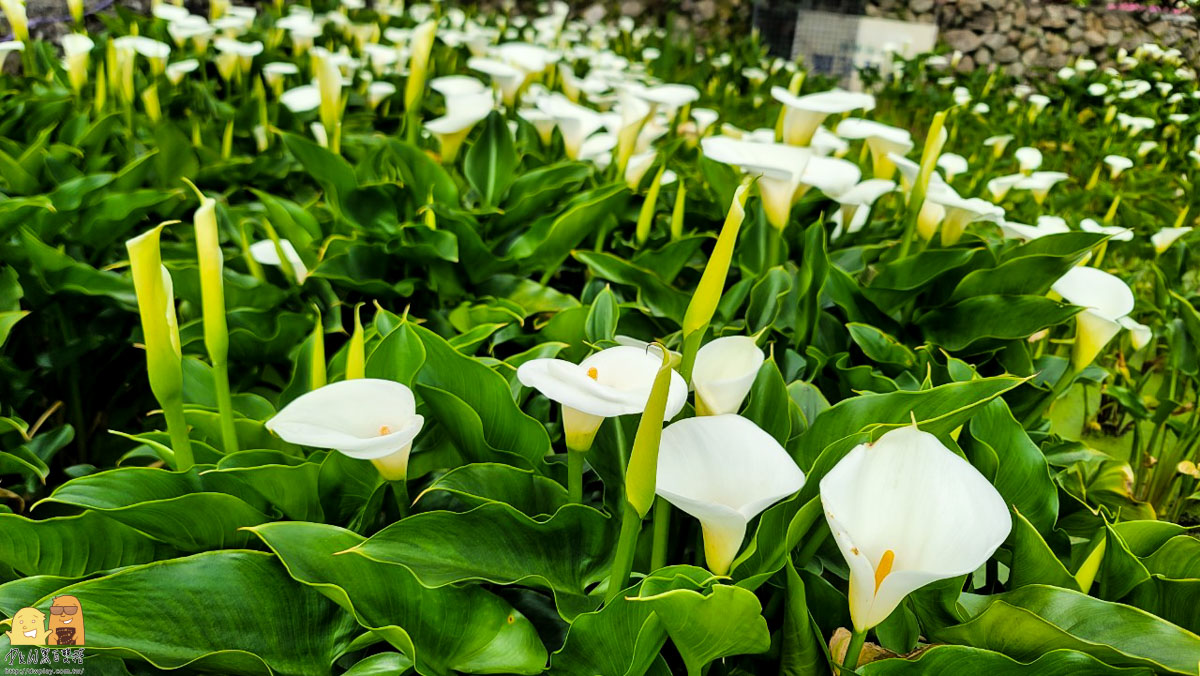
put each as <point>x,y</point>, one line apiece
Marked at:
<point>372,338</point>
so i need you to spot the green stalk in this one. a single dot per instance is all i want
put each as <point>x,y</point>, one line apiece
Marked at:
<point>225,406</point>
<point>178,431</point>
<point>575,476</point>
<point>400,495</point>
<point>1064,381</point>
<point>662,534</point>
<point>631,525</point>
<point>853,650</point>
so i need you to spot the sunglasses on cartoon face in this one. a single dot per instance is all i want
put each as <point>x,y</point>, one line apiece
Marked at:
<point>61,610</point>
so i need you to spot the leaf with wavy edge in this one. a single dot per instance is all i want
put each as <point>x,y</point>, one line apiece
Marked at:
<point>495,542</point>
<point>480,483</point>
<point>444,630</point>
<point>1034,619</point>
<point>954,660</point>
<point>230,612</point>
<point>74,546</point>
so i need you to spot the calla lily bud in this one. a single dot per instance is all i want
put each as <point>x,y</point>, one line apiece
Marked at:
<point>150,103</point>
<point>329,82</point>
<point>212,299</point>
<point>160,329</point>
<point>14,11</point>
<point>724,470</point>
<point>646,214</point>
<point>906,511</point>
<point>356,356</point>
<point>422,45</point>
<point>75,7</point>
<point>212,288</point>
<point>365,419</point>
<point>724,373</point>
<point>641,475</point>
<point>704,301</point>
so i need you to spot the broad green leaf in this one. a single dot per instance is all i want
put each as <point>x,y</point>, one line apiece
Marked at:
<point>479,483</point>
<point>230,612</point>
<point>491,160</point>
<point>1032,620</point>
<point>705,627</point>
<point>950,660</point>
<point>1003,452</point>
<point>563,555</point>
<point>476,408</point>
<point>73,546</point>
<point>981,320</point>
<point>660,298</point>
<point>443,631</point>
<point>1033,562</point>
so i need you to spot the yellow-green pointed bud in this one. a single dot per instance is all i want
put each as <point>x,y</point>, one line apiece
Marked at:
<point>75,7</point>
<point>160,330</point>
<point>1091,566</point>
<point>227,141</point>
<point>677,212</point>
<point>641,477</point>
<point>156,306</point>
<point>317,358</point>
<point>356,355</point>
<point>150,103</point>
<point>646,214</point>
<point>704,302</point>
<point>14,11</point>
<point>329,82</point>
<point>212,289</point>
<point>418,65</point>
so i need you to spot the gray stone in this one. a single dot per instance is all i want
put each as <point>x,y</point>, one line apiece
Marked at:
<point>1074,32</point>
<point>962,40</point>
<point>1007,54</point>
<point>983,56</point>
<point>1114,37</point>
<point>966,65</point>
<point>995,41</point>
<point>1015,69</point>
<point>1095,39</point>
<point>920,6</point>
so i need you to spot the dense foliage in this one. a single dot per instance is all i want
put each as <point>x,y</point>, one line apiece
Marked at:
<point>1018,281</point>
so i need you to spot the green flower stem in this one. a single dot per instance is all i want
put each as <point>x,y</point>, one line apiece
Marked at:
<point>662,533</point>
<point>691,346</point>
<point>400,495</point>
<point>575,475</point>
<point>622,566</point>
<point>229,439</point>
<point>853,650</point>
<point>178,431</point>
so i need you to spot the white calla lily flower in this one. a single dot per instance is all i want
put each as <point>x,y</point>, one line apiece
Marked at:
<point>998,143</point>
<point>180,69</point>
<point>960,212</point>
<point>77,50</point>
<point>508,79</point>
<point>781,169</point>
<point>1115,232</point>
<point>805,113</point>
<point>609,383</point>
<point>301,99</point>
<point>998,187</point>
<point>1117,164</point>
<point>264,252</point>
<point>1140,335</point>
<point>724,470</point>
<point>575,122</point>
<point>462,114</point>
<point>882,139</point>
<point>952,164</point>
<point>364,418</point>
<point>1046,225</point>
<point>1105,299</point>
<point>1029,159</point>
<point>855,203</point>
<point>1039,183</point>
<point>1164,238</point>
<point>906,511</point>
<point>704,117</point>
<point>724,372</point>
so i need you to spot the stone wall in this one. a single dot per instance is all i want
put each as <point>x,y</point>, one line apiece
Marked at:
<point>1030,34</point>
